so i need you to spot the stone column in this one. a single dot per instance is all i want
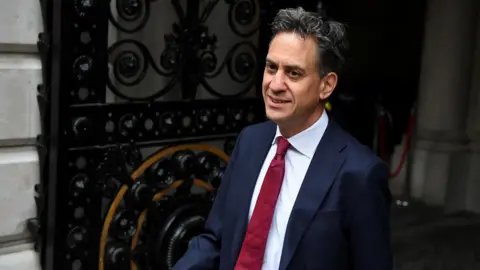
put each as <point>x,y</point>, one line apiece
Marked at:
<point>472,179</point>
<point>449,43</point>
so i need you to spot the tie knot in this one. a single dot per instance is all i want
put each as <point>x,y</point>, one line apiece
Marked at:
<point>282,146</point>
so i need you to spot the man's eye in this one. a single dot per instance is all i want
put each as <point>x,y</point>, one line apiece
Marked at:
<point>295,74</point>
<point>271,67</point>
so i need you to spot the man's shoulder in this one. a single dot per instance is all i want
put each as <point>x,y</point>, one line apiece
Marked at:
<point>258,129</point>
<point>359,155</point>
<point>363,167</point>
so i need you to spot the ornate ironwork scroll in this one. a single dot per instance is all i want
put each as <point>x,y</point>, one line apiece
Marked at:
<point>189,54</point>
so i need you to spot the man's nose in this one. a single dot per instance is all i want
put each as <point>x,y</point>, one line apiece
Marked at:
<point>278,82</point>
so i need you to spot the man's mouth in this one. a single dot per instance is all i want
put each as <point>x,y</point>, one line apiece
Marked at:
<point>278,101</point>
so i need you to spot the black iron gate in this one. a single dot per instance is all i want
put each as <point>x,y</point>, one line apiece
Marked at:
<point>106,200</point>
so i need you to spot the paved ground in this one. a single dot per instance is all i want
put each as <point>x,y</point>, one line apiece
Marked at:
<point>425,239</point>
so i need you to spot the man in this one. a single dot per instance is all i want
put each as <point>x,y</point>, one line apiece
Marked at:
<point>299,193</point>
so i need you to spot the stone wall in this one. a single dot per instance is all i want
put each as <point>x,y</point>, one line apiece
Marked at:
<point>20,72</point>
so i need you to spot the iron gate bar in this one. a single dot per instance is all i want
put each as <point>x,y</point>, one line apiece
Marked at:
<point>142,122</point>
<point>191,68</point>
<point>56,53</point>
<point>57,50</point>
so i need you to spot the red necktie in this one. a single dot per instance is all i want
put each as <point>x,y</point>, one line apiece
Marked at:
<point>255,241</point>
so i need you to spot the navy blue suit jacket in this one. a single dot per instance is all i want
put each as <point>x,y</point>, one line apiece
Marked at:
<point>340,220</point>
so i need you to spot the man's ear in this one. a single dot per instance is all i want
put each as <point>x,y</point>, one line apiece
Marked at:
<point>328,84</point>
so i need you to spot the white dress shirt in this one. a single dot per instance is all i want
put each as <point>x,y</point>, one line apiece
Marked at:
<point>297,161</point>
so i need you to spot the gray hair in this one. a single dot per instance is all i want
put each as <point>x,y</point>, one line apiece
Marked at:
<point>330,35</point>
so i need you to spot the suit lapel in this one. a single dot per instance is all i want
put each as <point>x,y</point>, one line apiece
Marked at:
<point>324,166</point>
<point>251,165</point>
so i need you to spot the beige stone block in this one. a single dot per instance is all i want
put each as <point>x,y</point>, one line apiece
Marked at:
<point>20,172</point>
<point>19,114</point>
<point>23,260</point>
<point>20,23</point>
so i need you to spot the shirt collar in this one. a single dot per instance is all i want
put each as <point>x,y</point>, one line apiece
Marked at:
<point>306,141</point>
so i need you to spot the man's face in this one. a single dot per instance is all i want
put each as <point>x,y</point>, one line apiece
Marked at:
<point>292,86</point>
